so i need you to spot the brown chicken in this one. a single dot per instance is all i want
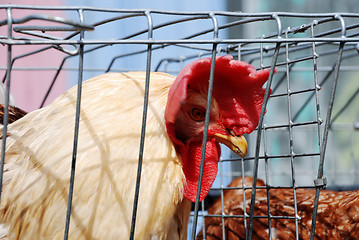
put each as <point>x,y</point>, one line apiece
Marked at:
<point>338,214</point>
<point>14,113</point>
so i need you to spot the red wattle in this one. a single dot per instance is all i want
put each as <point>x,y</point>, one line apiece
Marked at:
<point>191,166</point>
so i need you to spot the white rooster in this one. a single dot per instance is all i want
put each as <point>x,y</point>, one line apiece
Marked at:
<point>39,152</point>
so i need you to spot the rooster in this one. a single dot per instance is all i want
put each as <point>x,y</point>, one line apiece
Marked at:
<point>337,217</point>
<point>39,150</point>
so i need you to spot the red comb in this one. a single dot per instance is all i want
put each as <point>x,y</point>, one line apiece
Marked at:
<point>237,89</point>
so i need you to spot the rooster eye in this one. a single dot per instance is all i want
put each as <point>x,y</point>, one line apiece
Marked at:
<point>197,114</point>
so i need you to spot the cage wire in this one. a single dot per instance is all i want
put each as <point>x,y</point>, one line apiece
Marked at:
<point>306,140</point>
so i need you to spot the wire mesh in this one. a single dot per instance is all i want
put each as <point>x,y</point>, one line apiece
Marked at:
<point>297,145</point>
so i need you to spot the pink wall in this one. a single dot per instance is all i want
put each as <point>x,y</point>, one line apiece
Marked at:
<point>28,87</point>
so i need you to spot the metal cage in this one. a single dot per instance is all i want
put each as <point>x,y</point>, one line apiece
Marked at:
<point>307,138</point>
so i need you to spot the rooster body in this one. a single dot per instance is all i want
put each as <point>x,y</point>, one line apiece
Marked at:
<point>98,194</point>
<point>39,152</point>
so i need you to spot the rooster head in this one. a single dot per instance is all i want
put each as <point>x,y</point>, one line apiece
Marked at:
<point>237,99</point>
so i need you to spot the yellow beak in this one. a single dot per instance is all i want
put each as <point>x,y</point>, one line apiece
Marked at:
<point>237,144</point>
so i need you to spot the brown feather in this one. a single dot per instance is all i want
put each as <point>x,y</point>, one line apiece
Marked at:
<point>15,113</point>
<point>338,214</point>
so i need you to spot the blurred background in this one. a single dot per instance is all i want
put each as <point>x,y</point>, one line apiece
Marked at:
<point>32,93</point>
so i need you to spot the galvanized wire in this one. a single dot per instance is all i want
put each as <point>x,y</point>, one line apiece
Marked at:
<point>76,136</point>
<point>258,142</point>
<point>279,46</point>
<point>321,181</point>
<point>259,130</point>
<point>206,125</point>
<point>7,97</point>
<point>143,128</point>
<point>291,148</point>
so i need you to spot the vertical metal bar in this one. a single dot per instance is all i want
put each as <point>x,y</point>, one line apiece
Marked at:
<point>353,160</point>
<point>206,123</point>
<point>266,161</point>
<point>143,129</point>
<point>239,52</point>
<point>245,215</point>
<point>76,133</point>
<point>316,85</point>
<point>266,158</point>
<point>258,141</point>
<point>222,196</point>
<point>203,225</point>
<point>290,132</point>
<point>261,53</point>
<point>260,125</point>
<point>7,96</point>
<point>269,215</point>
<point>320,182</point>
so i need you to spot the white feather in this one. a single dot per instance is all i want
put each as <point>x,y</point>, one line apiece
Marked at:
<point>38,163</point>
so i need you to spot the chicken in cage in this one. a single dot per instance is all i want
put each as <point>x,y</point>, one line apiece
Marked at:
<point>179,132</point>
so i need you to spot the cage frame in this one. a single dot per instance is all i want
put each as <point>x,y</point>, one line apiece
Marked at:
<point>280,39</point>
